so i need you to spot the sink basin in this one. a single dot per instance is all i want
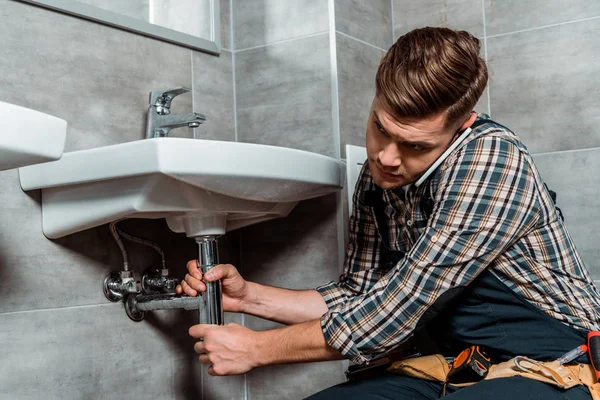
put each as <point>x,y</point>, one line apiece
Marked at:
<point>202,187</point>
<point>29,137</point>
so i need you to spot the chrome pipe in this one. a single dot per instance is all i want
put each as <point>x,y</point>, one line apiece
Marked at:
<point>211,311</point>
<point>166,302</point>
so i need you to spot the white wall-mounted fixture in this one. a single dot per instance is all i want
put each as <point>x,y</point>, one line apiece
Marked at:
<point>202,187</point>
<point>29,136</point>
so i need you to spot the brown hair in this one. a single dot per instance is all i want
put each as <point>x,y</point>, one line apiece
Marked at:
<point>432,70</point>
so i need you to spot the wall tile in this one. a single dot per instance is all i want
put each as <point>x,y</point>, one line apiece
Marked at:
<point>513,15</point>
<point>213,95</point>
<point>98,79</point>
<point>225,6</point>
<point>369,21</point>
<point>283,94</point>
<point>296,252</point>
<point>357,67</point>
<point>573,175</point>
<point>41,273</point>
<point>260,22</point>
<point>293,382</point>
<point>191,379</point>
<point>89,352</point>
<point>53,314</point>
<point>551,102</point>
<point>456,14</point>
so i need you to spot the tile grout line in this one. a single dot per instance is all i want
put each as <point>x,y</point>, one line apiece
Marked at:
<point>306,37</point>
<point>245,393</point>
<point>193,89</point>
<point>235,120</point>
<point>566,151</point>
<point>58,308</point>
<point>335,115</point>
<point>544,27</point>
<point>485,54</point>
<point>283,41</point>
<point>333,63</point>
<point>393,22</point>
<point>360,41</point>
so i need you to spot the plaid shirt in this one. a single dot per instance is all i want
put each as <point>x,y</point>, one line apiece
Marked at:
<point>489,209</point>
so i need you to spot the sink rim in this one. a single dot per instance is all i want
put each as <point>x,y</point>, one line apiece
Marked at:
<point>159,158</point>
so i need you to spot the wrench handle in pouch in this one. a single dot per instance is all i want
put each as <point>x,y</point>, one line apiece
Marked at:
<point>593,338</point>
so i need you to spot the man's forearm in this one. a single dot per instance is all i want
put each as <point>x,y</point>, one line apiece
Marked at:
<point>295,343</point>
<point>284,305</point>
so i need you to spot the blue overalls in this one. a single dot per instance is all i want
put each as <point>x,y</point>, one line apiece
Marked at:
<point>489,314</point>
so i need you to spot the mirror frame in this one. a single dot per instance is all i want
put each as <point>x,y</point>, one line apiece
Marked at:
<point>212,45</point>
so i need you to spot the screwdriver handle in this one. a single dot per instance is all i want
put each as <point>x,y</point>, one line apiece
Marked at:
<point>593,338</point>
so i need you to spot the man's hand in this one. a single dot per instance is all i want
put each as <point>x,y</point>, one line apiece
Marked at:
<point>235,288</point>
<point>233,349</point>
<point>227,349</point>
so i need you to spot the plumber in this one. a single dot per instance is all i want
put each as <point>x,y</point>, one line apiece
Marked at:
<point>457,254</point>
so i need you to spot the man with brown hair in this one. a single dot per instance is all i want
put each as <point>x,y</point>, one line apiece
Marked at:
<point>454,242</point>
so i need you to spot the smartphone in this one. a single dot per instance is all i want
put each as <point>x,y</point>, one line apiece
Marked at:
<point>441,159</point>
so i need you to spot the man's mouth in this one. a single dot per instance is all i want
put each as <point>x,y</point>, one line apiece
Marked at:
<point>388,174</point>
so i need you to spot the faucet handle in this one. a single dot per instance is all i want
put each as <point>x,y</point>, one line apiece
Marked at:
<point>161,99</point>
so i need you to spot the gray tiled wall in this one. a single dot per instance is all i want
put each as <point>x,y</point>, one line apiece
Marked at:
<point>61,337</point>
<point>260,22</point>
<point>368,21</point>
<point>283,94</point>
<point>287,79</point>
<point>456,14</point>
<point>544,85</point>
<point>513,15</point>
<point>357,66</point>
<point>573,175</point>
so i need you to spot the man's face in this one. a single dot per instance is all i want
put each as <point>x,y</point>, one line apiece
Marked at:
<point>401,151</point>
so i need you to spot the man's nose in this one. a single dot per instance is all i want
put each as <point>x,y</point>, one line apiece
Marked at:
<point>389,156</point>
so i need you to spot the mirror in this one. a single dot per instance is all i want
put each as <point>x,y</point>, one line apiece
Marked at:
<point>191,23</point>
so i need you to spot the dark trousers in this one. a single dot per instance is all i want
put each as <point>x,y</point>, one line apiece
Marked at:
<point>393,387</point>
<point>489,314</point>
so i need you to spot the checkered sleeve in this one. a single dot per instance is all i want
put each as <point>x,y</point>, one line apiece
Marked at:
<point>364,262</point>
<point>485,200</point>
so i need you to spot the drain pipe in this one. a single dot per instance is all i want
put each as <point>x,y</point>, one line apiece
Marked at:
<point>212,299</point>
<point>209,305</point>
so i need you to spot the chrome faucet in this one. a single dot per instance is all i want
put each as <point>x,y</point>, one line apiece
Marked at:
<point>160,120</point>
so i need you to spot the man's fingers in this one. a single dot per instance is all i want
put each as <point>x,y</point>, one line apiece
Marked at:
<point>193,269</point>
<point>220,271</point>
<point>199,347</point>
<point>194,283</point>
<point>204,359</point>
<point>187,289</point>
<point>199,331</point>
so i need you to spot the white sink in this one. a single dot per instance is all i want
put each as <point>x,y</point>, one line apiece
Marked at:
<point>29,137</point>
<point>202,187</point>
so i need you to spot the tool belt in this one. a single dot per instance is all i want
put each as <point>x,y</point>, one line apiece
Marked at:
<point>436,368</point>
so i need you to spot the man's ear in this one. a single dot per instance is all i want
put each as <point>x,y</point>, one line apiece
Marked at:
<point>469,121</point>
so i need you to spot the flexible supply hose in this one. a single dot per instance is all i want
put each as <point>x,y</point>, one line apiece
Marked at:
<point>116,231</point>
<point>113,230</point>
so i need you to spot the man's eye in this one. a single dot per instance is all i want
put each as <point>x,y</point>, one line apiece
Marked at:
<point>417,147</point>
<point>380,128</point>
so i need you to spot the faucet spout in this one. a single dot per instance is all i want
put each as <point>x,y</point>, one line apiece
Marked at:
<point>160,120</point>
<point>161,124</point>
